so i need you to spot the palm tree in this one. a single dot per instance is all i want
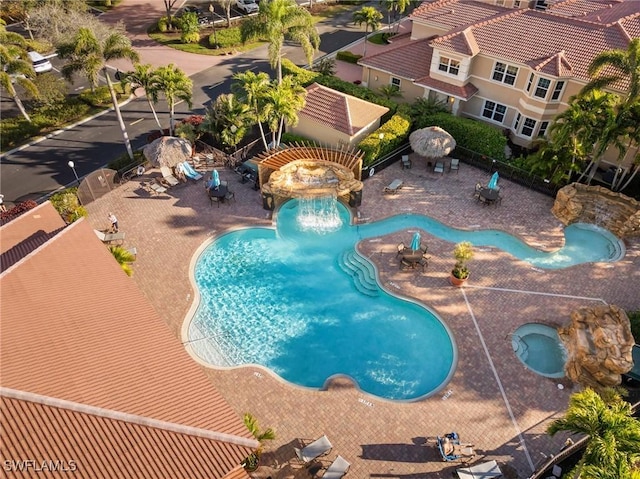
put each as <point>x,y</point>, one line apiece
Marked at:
<point>370,17</point>
<point>124,258</point>
<point>626,67</point>
<point>87,55</point>
<point>227,120</point>
<point>280,20</point>
<point>390,91</point>
<point>250,89</point>
<point>613,449</point>
<point>395,6</point>
<point>14,67</point>
<point>175,85</point>
<point>144,76</point>
<point>283,101</point>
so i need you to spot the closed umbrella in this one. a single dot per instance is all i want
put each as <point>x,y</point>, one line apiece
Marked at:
<point>493,182</point>
<point>215,178</point>
<point>415,242</point>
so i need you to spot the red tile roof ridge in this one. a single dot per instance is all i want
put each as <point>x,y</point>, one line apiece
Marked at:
<point>127,417</point>
<point>623,30</point>
<point>561,64</point>
<point>397,47</point>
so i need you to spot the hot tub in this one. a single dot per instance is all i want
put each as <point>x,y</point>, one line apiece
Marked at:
<point>540,349</point>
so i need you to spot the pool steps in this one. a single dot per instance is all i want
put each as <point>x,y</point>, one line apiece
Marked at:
<point>362,272</point>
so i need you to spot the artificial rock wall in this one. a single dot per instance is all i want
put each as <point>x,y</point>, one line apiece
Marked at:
<point>598,341</point>
<point>578,203</point>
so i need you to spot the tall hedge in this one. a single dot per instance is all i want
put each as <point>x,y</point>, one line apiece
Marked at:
<point>471,134</point>
<point>394,133</point>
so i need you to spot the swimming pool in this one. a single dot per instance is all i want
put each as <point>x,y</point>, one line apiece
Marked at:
<point>540,349</point>
<point>307,307</point>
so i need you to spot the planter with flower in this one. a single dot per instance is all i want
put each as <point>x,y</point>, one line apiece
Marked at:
<point>462,252</point>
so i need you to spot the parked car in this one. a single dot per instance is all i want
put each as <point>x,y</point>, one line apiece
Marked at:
<point>40,63</point>
<point>203,17</point>
<point>247,6</point>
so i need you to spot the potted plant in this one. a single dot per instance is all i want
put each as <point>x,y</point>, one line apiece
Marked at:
<point>252,461</point>
<point>463,252</point>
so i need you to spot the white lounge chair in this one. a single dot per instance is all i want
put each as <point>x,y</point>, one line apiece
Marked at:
<point>439,168</point>
<point>338,468</point>
<point>317,448</point>
<point>168,177</point>
<point>393,187</point>
<point>454,165</point>
<point>109,237</point>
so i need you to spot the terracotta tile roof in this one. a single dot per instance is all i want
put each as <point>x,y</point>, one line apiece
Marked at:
<point>75,327</point>
<point>604,12</point>
<point>556,65</point>
<point>533,38</point>
<point>344,113</point>
<point>452,14</point>
<point>26,233</point>
<point>102,445</point>
<point>401,62</point>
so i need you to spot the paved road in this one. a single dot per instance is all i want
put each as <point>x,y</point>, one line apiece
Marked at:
<point>43,167</point>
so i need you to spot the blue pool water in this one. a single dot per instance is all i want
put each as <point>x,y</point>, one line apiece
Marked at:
<point>540,349</point>
<point>284,299</point>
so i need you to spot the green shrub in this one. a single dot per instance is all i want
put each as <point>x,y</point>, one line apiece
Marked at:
<point>470,134</point>
<point>190,37</point>
<point>67,204</point>
<point>227,37</point>
<point>163,24</point>
<point>124,163</point>
<point>347,56</point>
<point>101,96</point>
<point>394,133</point>
<point>634,319</point>
<point>40,46</point>
<point>291,139</point>
<point>304,77</point>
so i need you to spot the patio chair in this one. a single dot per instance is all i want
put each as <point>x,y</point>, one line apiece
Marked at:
<point>110,237</point>
<point>393,187</point>
<point>454,165</point>
<point>406,162</point>
<point>153,187</point>
<point>312,451</point>
<point>189,172</point>
<point>439,168</point>
<point>168,177</point>
<point>476,193</point>
<point>401,249</point>
<point>338,468</point>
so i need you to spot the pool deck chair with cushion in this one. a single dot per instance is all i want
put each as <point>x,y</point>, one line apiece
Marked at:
<point>189,172</point>
<point>439,168</point>
<point>393,187</point>
<point>168,177</point>
<point>312,451</point>
<point>406,162</point>
<point>337,469</point>
<point>110,237</point>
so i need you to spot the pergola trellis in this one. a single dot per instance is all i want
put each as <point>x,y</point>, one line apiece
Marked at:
<point>336,170</point>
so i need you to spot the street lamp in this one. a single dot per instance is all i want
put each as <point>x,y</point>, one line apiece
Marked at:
<point>72,165</point>
<point>213,25</point>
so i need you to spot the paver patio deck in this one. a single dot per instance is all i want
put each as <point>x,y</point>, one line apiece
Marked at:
<point>492,400</point>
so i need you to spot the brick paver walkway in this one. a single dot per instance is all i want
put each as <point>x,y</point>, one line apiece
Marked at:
<point>492,400</point>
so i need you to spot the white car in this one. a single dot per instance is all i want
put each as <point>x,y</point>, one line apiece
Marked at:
<point>247,6</point>
<point>40,63</point>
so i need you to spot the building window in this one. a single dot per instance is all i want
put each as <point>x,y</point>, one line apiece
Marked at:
<point>494,111</point>
<point>395,82</point>
<point>543,128</point>
<point>530,82</point>
<point>528,127</point>
<point>505,73</point>
<point>542,88</point>
<point>557,91</point>
<point>500,2</point>
<point>517,123</point>
<point>449,65</point>
<point>516,3</point>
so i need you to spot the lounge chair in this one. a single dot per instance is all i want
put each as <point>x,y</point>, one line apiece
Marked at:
<point>168,177</point>
<point>454,165</point>
<point>393,187</point>
<point>312,451</point>
<point>189,172</point>
<point>338,468</point>
<point>451,449</point>
<point>439,168</point>
<point>406,162</point>
<point>110,237</point>
<point>153,187</point>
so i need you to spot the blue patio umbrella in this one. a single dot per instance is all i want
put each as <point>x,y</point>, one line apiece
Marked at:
<point>493,182</point>
<point>415,242</point>
<point>215,178</point>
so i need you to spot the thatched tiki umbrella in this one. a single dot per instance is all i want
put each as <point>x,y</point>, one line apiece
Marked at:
<point>432,142</point>
<point>167,151</point>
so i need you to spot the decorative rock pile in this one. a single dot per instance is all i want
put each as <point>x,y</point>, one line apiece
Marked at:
<point>597,205</point>
<point>598,342</point>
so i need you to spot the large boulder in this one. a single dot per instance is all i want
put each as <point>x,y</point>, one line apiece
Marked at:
<point>598,342</point>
